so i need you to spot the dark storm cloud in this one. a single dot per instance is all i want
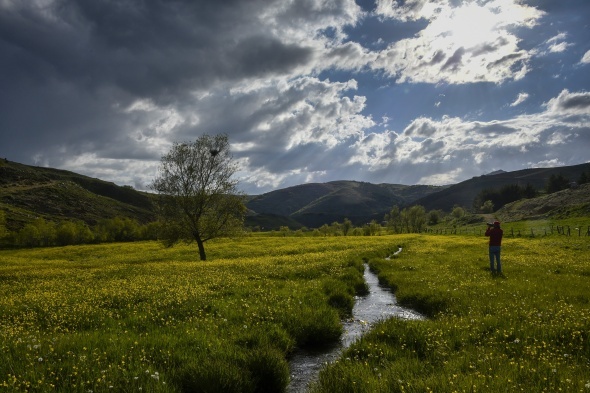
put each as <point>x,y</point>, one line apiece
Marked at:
<point>70,68</point>
<point>261,55</point>
<point>155,48</point>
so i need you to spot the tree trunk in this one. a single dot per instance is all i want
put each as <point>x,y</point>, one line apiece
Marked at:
<point>201,248</point>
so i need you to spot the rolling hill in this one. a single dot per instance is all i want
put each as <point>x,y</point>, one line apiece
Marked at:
<point>569,203</point>
<point>27,192</point>
<point>464,193</point>
<point>316,204</point>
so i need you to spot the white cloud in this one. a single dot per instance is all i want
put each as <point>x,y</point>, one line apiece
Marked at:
<point>428,151</point>
<point>586,58</point>
<point>559,47</point>
<point>549,163</point>
<point>259,178</point>
<point>555,44</point>
<point>441,179</point>
<point>557,39</point>
<point>570,103</point>
<point>473,42</point>
<point>462,149</point>
<point>522,97</point>
<point>136,173</point>
<point>557,138</point>
<point>374,151</point>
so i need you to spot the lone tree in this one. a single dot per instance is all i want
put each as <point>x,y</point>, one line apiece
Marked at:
<point>197,196</point>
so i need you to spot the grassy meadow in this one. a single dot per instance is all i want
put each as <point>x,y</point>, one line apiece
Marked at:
<point>136,316</point>
<point>139,317</point>
<point>528,331</point>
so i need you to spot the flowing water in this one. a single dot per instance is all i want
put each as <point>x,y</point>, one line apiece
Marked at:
<point>379,304</point>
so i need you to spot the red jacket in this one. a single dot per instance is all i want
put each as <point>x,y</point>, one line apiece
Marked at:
<point>495,234</point>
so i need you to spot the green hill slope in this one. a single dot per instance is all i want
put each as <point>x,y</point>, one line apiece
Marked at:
<point>570,203</point>
<point>464,193</point>
<point>28,192</point>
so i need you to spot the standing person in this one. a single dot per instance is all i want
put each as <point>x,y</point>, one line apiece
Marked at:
<point>494,232</point>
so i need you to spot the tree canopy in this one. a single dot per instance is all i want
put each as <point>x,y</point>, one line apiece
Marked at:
<point>198,197</point>
<point>490,199</point>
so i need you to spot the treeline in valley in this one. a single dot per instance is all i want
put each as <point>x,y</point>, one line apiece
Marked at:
<point>44,233</point>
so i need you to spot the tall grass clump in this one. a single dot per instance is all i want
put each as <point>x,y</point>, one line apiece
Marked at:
<point>527,330</point>
<point>136,316</point>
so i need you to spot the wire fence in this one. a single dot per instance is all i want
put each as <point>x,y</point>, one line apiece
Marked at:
<point>562,230</point>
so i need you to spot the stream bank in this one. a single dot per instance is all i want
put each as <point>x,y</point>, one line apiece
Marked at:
<point>378,304</point>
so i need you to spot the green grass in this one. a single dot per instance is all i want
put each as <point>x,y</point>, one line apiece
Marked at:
<point>121,317</point>
<point>128,316</point>
<point>527,331</point>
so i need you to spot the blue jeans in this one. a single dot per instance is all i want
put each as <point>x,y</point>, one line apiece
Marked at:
<point>495,254</point>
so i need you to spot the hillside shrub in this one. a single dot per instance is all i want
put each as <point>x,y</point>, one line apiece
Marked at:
<point>39,233</point>
<point>117,230</point>
<point>71,233</point>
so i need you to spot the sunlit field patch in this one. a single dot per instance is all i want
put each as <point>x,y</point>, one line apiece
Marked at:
<point>526,331</point>
<point>136,316</point>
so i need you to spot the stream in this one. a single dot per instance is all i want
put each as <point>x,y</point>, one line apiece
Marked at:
<point>379,304</point>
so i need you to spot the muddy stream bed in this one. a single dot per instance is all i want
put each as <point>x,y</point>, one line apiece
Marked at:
<point>378,304</point>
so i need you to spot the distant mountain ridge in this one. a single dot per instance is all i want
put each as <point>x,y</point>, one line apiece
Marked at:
<point>498,172</point>
<point>315,204</point>
<point>27,192</point>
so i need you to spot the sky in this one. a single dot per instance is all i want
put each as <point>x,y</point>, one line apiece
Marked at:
<point>308,91</point>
